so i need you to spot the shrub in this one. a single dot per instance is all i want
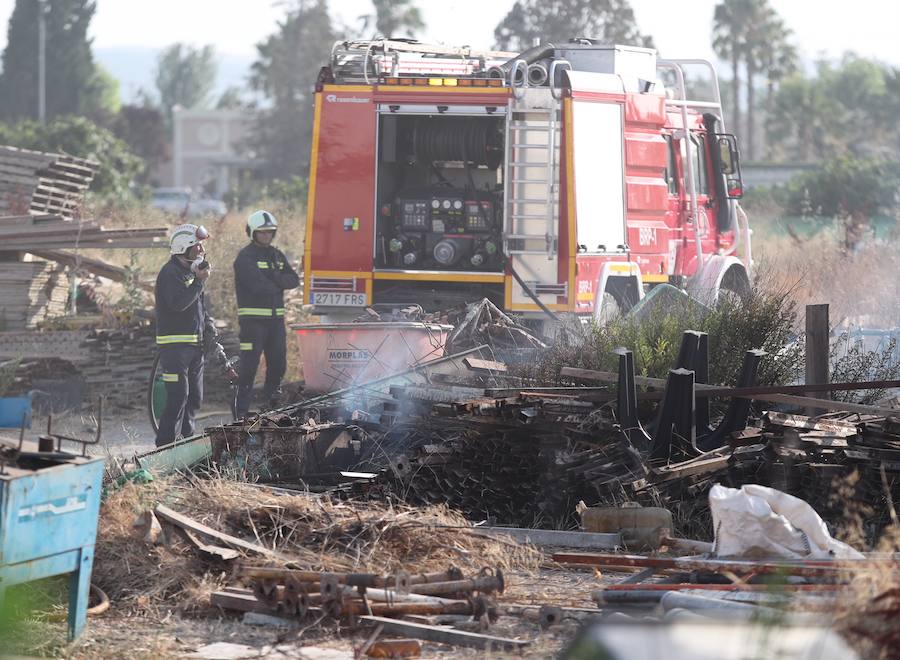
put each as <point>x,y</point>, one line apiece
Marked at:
<point>766,320</point>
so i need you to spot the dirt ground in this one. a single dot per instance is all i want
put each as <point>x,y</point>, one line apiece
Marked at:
<point>124,432</point>
<point>119,634</point>
<point>170,635</point>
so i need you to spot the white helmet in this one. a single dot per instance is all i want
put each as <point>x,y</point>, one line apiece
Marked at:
<point>185,237</point>
<point>261,221</point>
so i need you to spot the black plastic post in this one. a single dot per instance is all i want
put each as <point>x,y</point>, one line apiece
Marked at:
<point>676,415</point>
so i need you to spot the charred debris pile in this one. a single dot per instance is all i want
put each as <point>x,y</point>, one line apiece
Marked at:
<point>462,431</point>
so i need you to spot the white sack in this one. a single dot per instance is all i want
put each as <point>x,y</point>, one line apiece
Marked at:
<point>757,521</point>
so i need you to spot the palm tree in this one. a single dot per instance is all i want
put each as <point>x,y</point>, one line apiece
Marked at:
<point>751,33</point>
<point>767,52</point>
<point>779,60</point>
<point>730,21</point>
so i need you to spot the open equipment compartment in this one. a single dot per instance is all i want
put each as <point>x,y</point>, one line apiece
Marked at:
<point>439,190</point>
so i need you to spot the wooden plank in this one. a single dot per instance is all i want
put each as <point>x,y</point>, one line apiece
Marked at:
<point>94,266</point>
<point>26,246</point>
<point>612,377</point>
<point>165,513</point>
<point>241,602</point>
<point>553,537</point>
<point>477,364</point>
<point>447,635</point>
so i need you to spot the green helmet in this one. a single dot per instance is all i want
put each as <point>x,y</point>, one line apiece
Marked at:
<point>261,221</point>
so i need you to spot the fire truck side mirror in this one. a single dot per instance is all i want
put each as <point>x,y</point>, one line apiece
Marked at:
<point>728,154</point>
<point>730,165</point>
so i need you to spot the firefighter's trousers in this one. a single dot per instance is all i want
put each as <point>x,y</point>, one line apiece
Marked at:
<point>260,336</point>
<point>182,372</point>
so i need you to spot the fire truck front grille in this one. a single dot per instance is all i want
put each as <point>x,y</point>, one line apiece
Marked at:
<point>334,284</point>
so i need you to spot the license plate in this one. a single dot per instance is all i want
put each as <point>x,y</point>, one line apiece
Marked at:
<point>328,299</point>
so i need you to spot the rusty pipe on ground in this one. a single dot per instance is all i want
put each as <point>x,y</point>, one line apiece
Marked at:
<point>476,608</point>
<point>352,579</point>
<point>486,582</point>
<point>389,596</point>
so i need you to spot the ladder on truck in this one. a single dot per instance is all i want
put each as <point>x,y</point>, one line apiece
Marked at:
<point>531,193</point>
<point>365,61</point>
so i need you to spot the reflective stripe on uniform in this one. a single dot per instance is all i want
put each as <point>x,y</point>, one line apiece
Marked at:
<point>254,311</point>
<point>262,264</point>
<point>177,339</point>
<point>170,378</point>
<point>279,311</point>
<point>246,345</point>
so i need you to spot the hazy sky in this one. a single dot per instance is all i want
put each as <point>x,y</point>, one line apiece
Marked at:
<point>681,28</point>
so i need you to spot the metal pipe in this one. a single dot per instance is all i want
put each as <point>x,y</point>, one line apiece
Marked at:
<point>366,580</point>
<point>359,608</point>
<point>807,568</point>
<point>486,583</point>
<point>537,74</point>
<point>391,596</point>
<point>529,56</point>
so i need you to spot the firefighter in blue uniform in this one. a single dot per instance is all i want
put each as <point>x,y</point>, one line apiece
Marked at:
<point>183,329</point>
<point>261,276</point>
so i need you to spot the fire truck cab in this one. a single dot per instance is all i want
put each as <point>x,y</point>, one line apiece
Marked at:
<point>567,178</point>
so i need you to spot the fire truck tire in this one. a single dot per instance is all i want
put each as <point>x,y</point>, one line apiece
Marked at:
<point>735,286</point>
<point>610,309</point>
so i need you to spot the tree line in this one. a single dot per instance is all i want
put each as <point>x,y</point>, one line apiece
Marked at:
<point>781,111</point>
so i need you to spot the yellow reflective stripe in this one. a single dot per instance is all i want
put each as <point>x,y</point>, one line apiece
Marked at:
<point>177,339</point>
<point>246,345</point>
<point>279,311</point>
<point>262,264</point>
<point>254,311</point>
<point>170,378</point>
<point>189,282</point>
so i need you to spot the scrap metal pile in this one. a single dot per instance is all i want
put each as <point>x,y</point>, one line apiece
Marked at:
<point>526,455</point>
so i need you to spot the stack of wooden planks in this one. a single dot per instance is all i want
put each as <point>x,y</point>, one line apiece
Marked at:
<point>30,233</point>
<point>30,292</point>
<point>38,182</point>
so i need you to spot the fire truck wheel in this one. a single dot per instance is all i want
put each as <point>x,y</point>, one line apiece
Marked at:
<point>610,310</point>
<point>735,287</point>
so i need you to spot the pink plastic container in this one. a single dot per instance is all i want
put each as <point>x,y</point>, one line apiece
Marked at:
<point>339,355</point>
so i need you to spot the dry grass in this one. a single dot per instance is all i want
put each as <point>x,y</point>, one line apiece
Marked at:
<point>860,287</point>
<point>228,237</point>
<point>869,612</point>
<point>316,533</point>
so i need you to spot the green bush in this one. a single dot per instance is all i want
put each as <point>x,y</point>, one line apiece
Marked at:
<point>766,320</point>
<point>82,138</point>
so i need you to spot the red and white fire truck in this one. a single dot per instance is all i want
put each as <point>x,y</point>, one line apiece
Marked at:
<point>567,178</point>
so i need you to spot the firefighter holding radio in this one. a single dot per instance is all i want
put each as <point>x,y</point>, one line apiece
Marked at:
<point>261,276</point>
<point>183,330</point>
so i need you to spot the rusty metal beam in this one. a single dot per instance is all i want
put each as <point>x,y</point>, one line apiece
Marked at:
<point>752,393</point>
<point>807,568</point>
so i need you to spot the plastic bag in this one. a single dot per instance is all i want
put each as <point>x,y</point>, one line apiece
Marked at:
<point>757,521</point>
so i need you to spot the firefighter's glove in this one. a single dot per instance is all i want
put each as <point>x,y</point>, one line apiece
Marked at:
<point>210,335</point>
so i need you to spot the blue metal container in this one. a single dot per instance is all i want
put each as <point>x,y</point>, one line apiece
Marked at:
<point>13,410</point>
<point>49,507</point>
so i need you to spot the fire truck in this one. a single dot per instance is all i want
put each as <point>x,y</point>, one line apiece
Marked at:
<point>566,178</point>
